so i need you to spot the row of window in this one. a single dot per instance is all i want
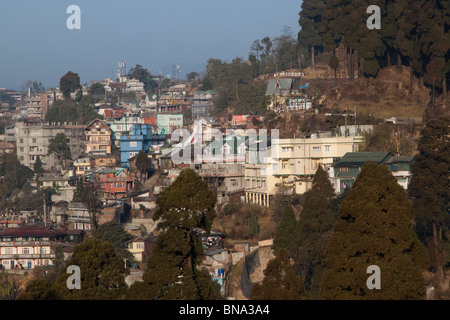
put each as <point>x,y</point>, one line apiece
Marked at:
<point>112,185</point>
<point>314,149</point>
<point>24,250</point>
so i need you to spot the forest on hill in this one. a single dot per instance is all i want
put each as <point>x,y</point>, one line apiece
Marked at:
<point>414,36</point>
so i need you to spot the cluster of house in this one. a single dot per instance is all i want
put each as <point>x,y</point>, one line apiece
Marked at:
<point>103,153</point>
<point>288,162</point>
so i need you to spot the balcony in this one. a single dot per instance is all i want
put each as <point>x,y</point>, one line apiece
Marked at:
<point>28,256</point>
<point>26,243</point>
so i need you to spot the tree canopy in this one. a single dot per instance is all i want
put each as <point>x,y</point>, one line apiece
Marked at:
<point>430,189</point>
<point>69,83</point>
<point>172,272</point>
<point>314,230</point>
<point>374,227</point>
<point>71,111</point>
<point>102,273</point>
<point>59,148</point>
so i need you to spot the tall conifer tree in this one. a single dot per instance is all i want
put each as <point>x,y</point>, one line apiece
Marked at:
<point>314,230</point>
<point>374,227</point>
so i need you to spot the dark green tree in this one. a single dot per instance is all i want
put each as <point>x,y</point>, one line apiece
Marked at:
<point>280,281</point>
<point>172,273</point>
<point>143,75</point>
<point>69,83</point>
<point>286,230</point>
<point>59,148</point>
<point>92,201</point>
<point>39,289</point>
<point>97,90</point>
<point>71,111</point>
<point>191,76</point>
<point>314,230</point>
<point>310,22</point>
<point>430,189</point>
<point>282,199</point>
<point>334,63</point>
<point>113,233</point>
<point>143,164</point>
<point>14,174</point>
<point>38,167</point>
<point>374,227</point>
<point>102,273</point>
<point>77,195</point>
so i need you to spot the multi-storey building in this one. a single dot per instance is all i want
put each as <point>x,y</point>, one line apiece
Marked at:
<point>139,138</point>
<point>348,168</point>
<point>33,140</point>
<point>98,137</point>
<point>113,183</point>
<point>122,126</point>
<point>29,247</point>
<point>292,163</point>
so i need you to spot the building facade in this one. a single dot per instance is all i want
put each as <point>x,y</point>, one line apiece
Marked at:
<point>98,137</point>
<point>33,140</point>
<point>140,138</point>
<point>292,163</point>
<point>29,247</point>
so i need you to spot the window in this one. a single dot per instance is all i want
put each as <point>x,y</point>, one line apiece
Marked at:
<point>139,246</point>
<point>21,149</point>
<point>25,250</point>
<point>133,143</point>
<point>20,140</point>
<point>327,148</point>
<point>34,140</point>
<point>317,148</point>
<point>8,250</point>
<point>132,154</point>
<point>42,250</point>
<point>287,149</point>
<point>343,169</point>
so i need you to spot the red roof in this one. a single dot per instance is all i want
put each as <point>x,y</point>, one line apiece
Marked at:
<point>32,231</point>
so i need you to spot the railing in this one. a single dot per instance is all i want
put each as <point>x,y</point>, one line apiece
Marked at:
<point>25,243</point>
<point>28,256</point>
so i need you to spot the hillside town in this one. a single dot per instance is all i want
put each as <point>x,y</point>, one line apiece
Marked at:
<point>310,170</point>
<point>104,152</point>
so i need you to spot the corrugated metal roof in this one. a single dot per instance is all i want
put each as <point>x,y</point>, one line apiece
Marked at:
<point>32,231</point>
<point>359,158</point>
<point>279,86</point>
<point>400,159</point>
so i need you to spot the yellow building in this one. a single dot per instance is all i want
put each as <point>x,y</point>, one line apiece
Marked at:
<point>98,137</point>
<point>141,247</point>
<point>293,163</point>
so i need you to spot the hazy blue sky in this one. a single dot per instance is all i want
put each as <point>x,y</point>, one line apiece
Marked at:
<point>37,45</point>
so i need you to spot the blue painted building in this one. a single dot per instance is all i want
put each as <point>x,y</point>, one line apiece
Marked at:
<point>139,138</point>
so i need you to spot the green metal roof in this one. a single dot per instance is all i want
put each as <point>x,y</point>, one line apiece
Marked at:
<point>359,158</point>
<point>400,159</point>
